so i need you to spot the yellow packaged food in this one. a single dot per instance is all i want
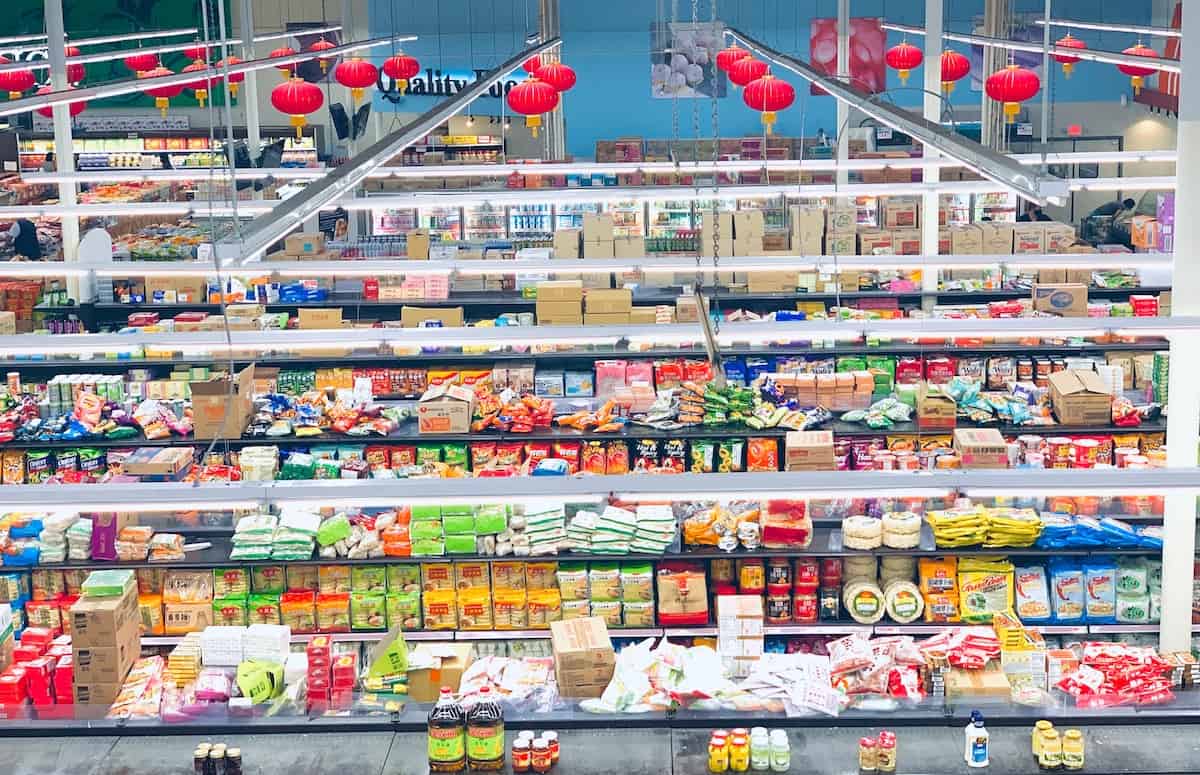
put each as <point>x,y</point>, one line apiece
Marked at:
<point>938,575</point>
<point>545,606</point>
<point>576,609</point>
<point>333,579</point>
<point>150,608</point>
<point>985,587</point>
<point>508,575</point>
<point>472,575</point>
<point>541,575</point>
<point>573,581</point>
<point>509,610</point>
<point>609,611</point>
<point>439,610</point>
<point>437,576</point>
<point>639,614</point>
<point>474,609</point>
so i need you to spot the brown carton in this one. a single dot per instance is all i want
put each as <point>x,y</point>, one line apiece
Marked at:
<point>182,618</point>
<point>873,242</point>
<point>304,243</point>
<point>1029,238</point>
<point>605,318</point>
<point>808,451</point>
<point>807,229</point>
<point>560,290</point>
<point>686,310</point>
<point>1051,276</point>
<point>1078,397</point>
<point>108,664</point>
<point>8,322</point>
<point>901,212</point>
<point>748,223</point>
<point>772,282</point>
<point>448,663</point>
<point>101,621</point>
<point>840,244</point>
<point>98,694</point>
<point>167,461</point>
<point>840,218</point>
<point>1065,299</point>
<point>724,247</point>
<point>629,247</point>
<point>445,408</point>
<point>599,249</point>
<point>747,246</point>
<point>567,242</point>
<point>449,317</point>
<point>996,238</point>
<point>907,242</point>
<point>221,409</point>
<point>417,241</point>
<point>945,242</point>
<point>965,684</point>
<point>725,232</point>
<point>313,319</point>
<point>643,315</point>
<point>966,240</point>
<point>608,301</point>
<point>1059,237</point>
<point>935,409</point>
<point>583,656</point>
<point>597,228</point>
<point>559,312</point>
<point>981,448</point>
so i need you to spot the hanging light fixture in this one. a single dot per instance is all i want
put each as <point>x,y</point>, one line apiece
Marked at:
<point>48,111</point>
<point>141,63</point>
<point>1138,74</point>
<point>747,70</point>
<point>297,98</point>
<point>531,98</point>
<point>558,75</point>
<point>75,71</point>
<point>768,95</point>
<point>15,82</point>
<point>320,46</point>
<point>727,57</point>
<point>234,78</point>
<point>201,87</point>
<point>955,67</point>
<point>197,52</point>
<point>1012,86</point>
<point>904,58</point>
<point>1066,60</point>
<point>162,94</point>
<point>357,74</point>
<point>289,69</point>
<point>400,67</point>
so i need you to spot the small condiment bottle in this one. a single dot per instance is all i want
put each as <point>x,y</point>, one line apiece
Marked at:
<point>718,754</point>
<point>200,761</point>
<point>1050,757</point>
<point>526,734</point>
<point>522,756</point>
<point>551,737</point>
<point>885,756</point>
<point>540,759</point>
<point>1038,729</point>
<point>1072,750</point>
<point>216,761</point>
<point>233,761</point>
<point>739,753</point>
<point>781,751</point>
<point>867,755</point>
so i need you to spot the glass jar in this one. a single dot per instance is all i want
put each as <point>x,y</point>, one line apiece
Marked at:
<point>1072,750</point>
<point>885,757</point>
<point>540,758</point>
<point>1050,757</point>
<point>718,754</point>
<point>1038,729</point>
<point>551,737</point>
<point>868,755</point>
<point>522,755</point>
<point>739,753</point>
<point>781,751</point>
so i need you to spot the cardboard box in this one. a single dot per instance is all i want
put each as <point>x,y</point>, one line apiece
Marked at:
<point>807,229</point>
<point>989,682</point>
<point>643,315</point>
<point>945,242</point>
<point>559,313</point>
<point>725,246</point>
<point>724,221</point>
<point>8,322</point>
<point>901,212</point>
<point>605,318</point>
<point>840,218</point>
<point>446,408</point>
<point>182,618</point>
<point>597,227</point>
<point>981,448</point>
<point>324,318</point>
<point>107,664</point>
<point>1078,397</point>
<point>304,243</point>
<point>449,662</point>
<point>873,242</point>
<point>748,223</point>
<point>1059,237</point>
<point>740,632</point>
<point>599,249</point>
<point>782,281</point>
<point>448,317</point>
<point>967,241</point>
<point>98,694</point>
<point>221,410</point>
<point>102,621</point>
<point>560,290</point>
<point>746,246</point>
<point>1143,232</point>
<point>1065,299</point>
<point>158,461</point>
<point>840,244</point>
<point>417,241</point>
<point>583,656</point>
<point>686,310</point>
<point>608,301</point>
<point>1051,276</point>
<point>907,242</point>
<point>629,247</point>
<point>567,243</point>
<point>1029,238</point>
<point>996,238</point>
<point>808,451</point>
<point>935,409</point>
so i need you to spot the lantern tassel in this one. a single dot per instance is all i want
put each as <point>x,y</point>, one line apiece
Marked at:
<point>947,87</point>
<point>201,96</point>
<point>1011,109</point>
<point>402,85</point>
<point>1137,82</point>
<point>904,77</point>
<point>162,103</point>
<point>1068,67</point>
<point>14,95</point>
<point>533,122</point>
<point>768,120</point>
<point>299,122</point>
<point>356,95</point>
<point>233,90</point>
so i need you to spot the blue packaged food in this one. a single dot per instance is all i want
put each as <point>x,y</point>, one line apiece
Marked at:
<point>1067,595</point>
<point>1100,582</point>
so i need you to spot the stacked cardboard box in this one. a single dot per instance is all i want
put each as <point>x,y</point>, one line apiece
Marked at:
<point>607,307</point>
<point>720,229</point>
<point>105,641</point>
<point>598,236</point>
<point>841,224</point>
<point>807,230</point>
<point>567,243</point>
<point>808,451</point>
<point>629,247</point>
<point>748,230</point>
<point>560,303</point>
<point>583,656</point>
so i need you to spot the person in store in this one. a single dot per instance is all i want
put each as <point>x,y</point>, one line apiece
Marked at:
<point>1114,208</point>
<point>49,165</point>
<point>1033,212</point>
<point>25,240</point>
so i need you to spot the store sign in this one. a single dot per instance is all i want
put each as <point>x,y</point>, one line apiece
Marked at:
<point>434,83</point>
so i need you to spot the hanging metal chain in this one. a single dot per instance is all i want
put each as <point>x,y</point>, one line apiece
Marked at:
<point>699,281</point>
<point>669,40</point>
<point>716,155</point>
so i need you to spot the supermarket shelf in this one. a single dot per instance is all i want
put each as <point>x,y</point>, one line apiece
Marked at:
<point>339,637</point>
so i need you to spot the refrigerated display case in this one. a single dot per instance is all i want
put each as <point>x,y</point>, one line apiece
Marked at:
<point>667,218</point>
<point>443,222</point>
<point>485,222</point>
<point>995,206</point>
<point>389,221</point>
<point>957,208</point>
<point>628,218</point>
<point>530,222</point>
<point>570,215</point>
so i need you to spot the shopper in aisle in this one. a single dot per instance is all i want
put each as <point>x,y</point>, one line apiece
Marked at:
<point>25,240</point>
<point>50,164</point>
<point>1033,212</point>
<point>1114,208</point>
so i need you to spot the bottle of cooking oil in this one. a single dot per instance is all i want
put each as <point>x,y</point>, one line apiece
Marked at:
<point>447,734</point>
<point>485,733</point>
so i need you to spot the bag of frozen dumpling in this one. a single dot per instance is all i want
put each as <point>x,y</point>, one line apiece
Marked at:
<point>1032,594</point>
<point>1067,594</point>
<point>1100,581</point>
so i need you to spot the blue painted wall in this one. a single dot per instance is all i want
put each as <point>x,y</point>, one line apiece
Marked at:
<point>608,45</point>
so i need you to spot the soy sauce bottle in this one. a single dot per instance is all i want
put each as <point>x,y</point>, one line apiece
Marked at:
<point>447,735</point>
<point>485,733</point>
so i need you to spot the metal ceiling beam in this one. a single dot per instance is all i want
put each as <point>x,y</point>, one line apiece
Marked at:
<point>991,165</point>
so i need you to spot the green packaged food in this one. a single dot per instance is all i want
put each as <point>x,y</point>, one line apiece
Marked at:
<point>851,363</point>
<point>730,456</point>
<point>229,612</point>
<point>428,547</point>
<point>491,518</point>
<point>368,578</point>
<point>404,610</point>
<point>263,608</point>
<point>604,581</point>
<point>428,453</point>
<point>637,582</point>
<point>458,524</point>
<point>403,578</point>
<point>455,455</point>
<point>323,451</point>
<point>111,582</point>
<point>425,529</point>
<point>298,466</point>
<point>368,611</point>
<point>703,453</point>
<point>458,508</point>
<point>332,530</point>
<point>231,582</point>
<point>425,512</point>
<point>460,544</point>
<point>267,578</point>
<point>328,469</point>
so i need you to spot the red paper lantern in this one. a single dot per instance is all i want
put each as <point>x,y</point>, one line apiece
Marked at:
<point>904,58</point>
<point>288,70</point>
<point>202,86</point>
<point>1012,86</point>
<point>15,82</point>
<point>75,72</point>
<point>531,98</point>
<point>319,47</point>
<point>197,52</point>
<point>358,75</point>
<point>955,67</point>
<point>1066,60</point>
<point>234,78</point>
<point>75,107</point>
<point>401,67</point>
<point>768,95</point>
<point>1137,74</point>
<point>728,57</point>
<point>558,75</point>
<point>162,94</point>
<point>532,64</point>
<point>297,98</point>
<point>746,71</point>
<point>141,63</point>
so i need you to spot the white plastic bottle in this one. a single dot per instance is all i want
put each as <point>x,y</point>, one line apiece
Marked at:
<point>781,752</point>
<point>760,749</point>
<point>975,748</point>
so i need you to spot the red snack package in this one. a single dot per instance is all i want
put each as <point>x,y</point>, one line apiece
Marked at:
<point>536,451</point>
<point>668,373</point>
<point>568,451</point>
<point>404,456</point>
<point>646,454</point>
<point>617,460</point>
<point>909,370</point>
<point>595,458</point>
<point>509,453</point>
<point>762,454</point>
<point>483,454</point>
<point>674,456</point>
<point>940,369</point>
<point>697,371</point>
